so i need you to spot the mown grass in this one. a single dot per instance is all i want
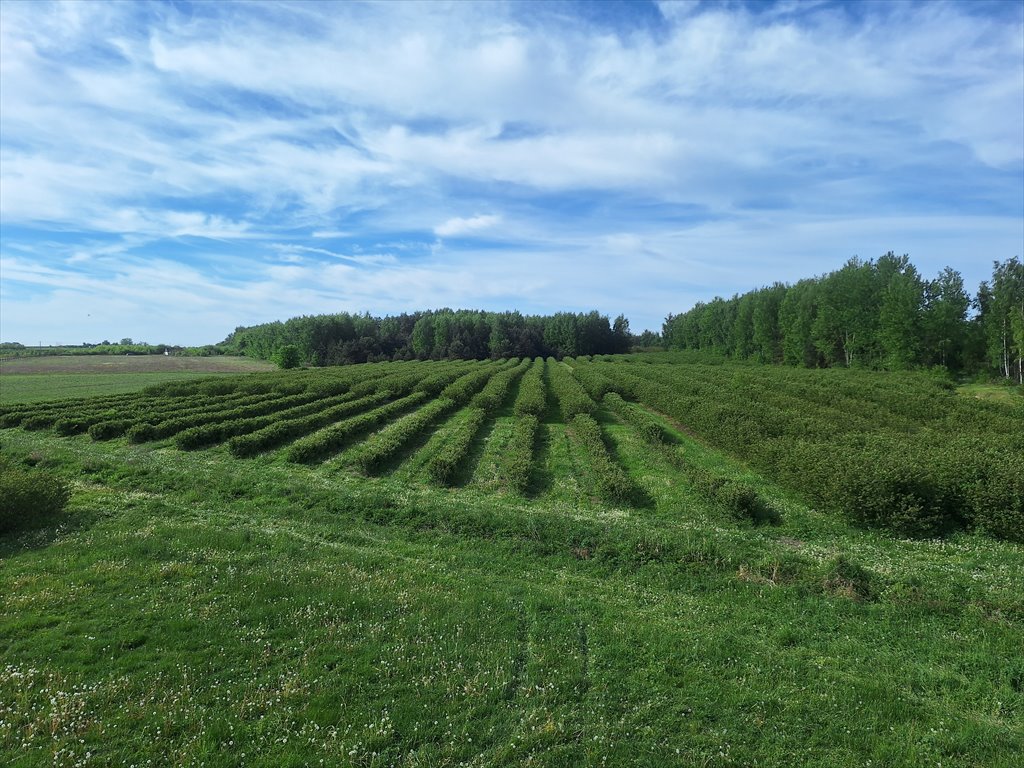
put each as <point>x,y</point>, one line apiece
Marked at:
<point>190,608</point>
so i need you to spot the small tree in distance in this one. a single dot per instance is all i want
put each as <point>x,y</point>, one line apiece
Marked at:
<point>288,356</point>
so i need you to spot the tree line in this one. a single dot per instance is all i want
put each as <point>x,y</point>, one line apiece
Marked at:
<point>444,334</point>
<point>874,314</point>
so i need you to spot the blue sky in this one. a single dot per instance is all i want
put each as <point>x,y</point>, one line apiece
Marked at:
<point>169,171</point>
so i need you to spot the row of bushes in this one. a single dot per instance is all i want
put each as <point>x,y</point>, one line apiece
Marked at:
<point>385,444</point>
<point>532,398</point>
<point>147,431</point>
<point>328,440</point>
<point>217,432</point>
<point>516,462</point>
<point>149,410</point>
<point>462,389</point>
<point>613,483</point>
<point>491,397</point>
<point>454,444</point>
<point>282,431</point>
<point>596,384</point>
<point>445,374</point>
<point>573,400</point>
<point>649,428</point>
<point>446,457</point>
<point>898,470</point>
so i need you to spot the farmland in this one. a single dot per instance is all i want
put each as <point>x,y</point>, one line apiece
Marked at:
<point>28,379</point>
<point>626,560</point>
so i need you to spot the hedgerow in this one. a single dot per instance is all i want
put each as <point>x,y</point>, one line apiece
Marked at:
<point>444,463</point>
<point>647,427</point>
<point>285,430</point>
<point>573,400</point>
<point>613,484</point>
<point>516,461</point>
<point>383,445</point>
<point>496,390</point>
<point>328,440</point>
<point>217,432</point>
<point>532,398</point>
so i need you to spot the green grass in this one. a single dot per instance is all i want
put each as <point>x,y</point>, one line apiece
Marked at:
<point>190,608</point>
<point>35,379</point>
<point>997,392</point>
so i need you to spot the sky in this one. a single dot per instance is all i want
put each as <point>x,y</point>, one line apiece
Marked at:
<point>172,170</point>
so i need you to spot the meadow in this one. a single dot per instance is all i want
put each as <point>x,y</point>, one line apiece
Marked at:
<point>599,561</point>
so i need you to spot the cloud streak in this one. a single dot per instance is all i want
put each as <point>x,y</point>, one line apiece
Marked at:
<point>386,158</point>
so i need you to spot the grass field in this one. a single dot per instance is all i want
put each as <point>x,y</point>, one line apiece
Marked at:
<point>194,608</point>
<point>998,392</point>
<point>33,379</point>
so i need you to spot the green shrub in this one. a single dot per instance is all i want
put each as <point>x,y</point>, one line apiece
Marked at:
<point>517,460</point>
<point>443,464</point>
<point>108,430</point>
<point>28,496</point>
<point>532,398</point>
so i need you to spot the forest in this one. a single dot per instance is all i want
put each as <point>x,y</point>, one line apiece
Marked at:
<point>444,334</point>
<point>868,314</point>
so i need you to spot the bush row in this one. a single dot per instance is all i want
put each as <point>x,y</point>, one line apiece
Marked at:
<point>899,473</point>
<point>649,428</point>
<point>496,390</point>
<point>613,484</point>
<point>146,431</point>
<point>595,383</point>
<point>385,444</point>
<point>532,398</point>
<point>458,437</point>
<point>463,388</point>
<point>217,432</point>
<point>516,462</point>
<point>573,400</point>
<point>328,440</point>
<point>283,431</point>
<point>437,381</point>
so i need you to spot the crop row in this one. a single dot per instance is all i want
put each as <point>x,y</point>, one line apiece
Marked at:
<point>284,430</point>
<point>573,400</point>
<point>388,442</point>
<point>613,483</point>
<point>455,440</point>
<point>924,481</point>
<point>532,398</point>
<point>328,440</point>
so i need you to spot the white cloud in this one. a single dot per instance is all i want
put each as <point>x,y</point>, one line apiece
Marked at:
<point>459,226</point>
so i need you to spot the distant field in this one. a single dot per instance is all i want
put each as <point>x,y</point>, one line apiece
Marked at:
<point>998,392</point>
<point>28,380</point>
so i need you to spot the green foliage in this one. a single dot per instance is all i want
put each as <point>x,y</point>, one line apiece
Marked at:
<point>613,484</point>
<point>532,398</point>
<point>444,462</point>
<point>876,313</point>
<point>29,496</point>
<point>517,460</point>
<point>316,446</point>
<point>385,444</point>
<point>572,398</point>
<point>288,356</point>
